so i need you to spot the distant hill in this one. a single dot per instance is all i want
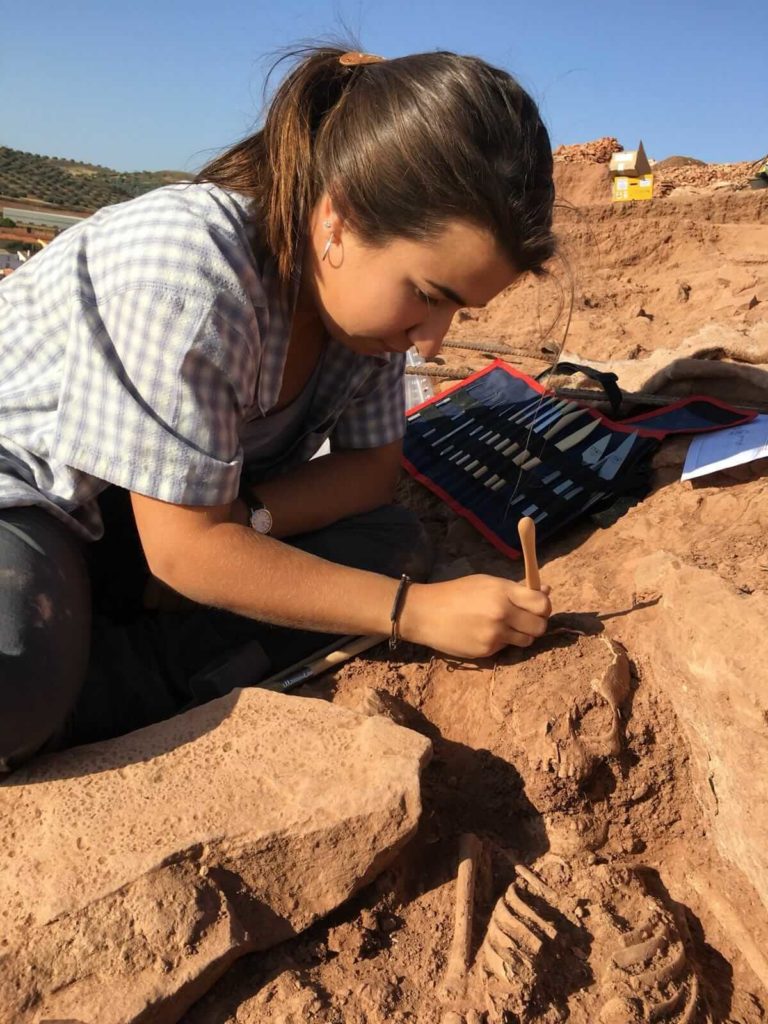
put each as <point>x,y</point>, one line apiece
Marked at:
<point>73,183</point>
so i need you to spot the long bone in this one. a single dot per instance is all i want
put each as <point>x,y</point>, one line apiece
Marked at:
<point>455,977</point>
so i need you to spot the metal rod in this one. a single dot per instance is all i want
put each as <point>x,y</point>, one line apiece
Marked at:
<point>499,348</point>
<point>441,372</point>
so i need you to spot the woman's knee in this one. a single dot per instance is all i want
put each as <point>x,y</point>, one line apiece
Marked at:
<point>44,628</point>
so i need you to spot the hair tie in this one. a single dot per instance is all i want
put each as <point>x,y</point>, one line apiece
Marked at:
<point>354,57</point>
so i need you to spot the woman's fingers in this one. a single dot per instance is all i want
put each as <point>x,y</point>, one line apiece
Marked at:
<point>529,611</point>
<point>517,639</point>
<point>518,625</point>
<point>534,601</point>
<point>474,616</point>
<point>525,622</point>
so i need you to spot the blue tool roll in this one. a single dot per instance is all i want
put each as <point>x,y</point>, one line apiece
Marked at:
<point>498,446</point>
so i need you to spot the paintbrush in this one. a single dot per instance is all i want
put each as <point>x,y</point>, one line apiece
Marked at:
<point>339,651</point>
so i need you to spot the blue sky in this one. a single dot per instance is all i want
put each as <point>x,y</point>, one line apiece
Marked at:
<point>153,84</point>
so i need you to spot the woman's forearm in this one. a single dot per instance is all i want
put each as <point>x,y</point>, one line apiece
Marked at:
<point>204,555</point>
<point>238,570</point>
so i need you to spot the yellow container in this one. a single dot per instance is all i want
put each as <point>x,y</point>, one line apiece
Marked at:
<point>625,188</point>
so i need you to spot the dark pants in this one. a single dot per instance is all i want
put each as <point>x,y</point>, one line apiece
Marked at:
<point>81,660</point>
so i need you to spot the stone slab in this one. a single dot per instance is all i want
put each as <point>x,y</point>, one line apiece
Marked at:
<point>134,872</point>
<point>710,644</point>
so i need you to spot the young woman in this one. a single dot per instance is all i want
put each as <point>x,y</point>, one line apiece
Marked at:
<point>170,366</point>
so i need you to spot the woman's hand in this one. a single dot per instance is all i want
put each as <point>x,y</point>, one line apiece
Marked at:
<point>474,617</point>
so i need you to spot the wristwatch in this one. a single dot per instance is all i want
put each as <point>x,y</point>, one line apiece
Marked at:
<point>259,516</point>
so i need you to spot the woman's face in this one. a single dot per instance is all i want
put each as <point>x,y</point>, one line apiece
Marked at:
<point>404,293</point>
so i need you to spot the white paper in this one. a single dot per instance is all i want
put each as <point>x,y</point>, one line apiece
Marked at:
<point>324,449</point>
<point>722,449</point>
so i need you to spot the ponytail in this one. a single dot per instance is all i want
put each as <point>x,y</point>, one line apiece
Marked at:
<point>275,167</point>
<point>402,147</point>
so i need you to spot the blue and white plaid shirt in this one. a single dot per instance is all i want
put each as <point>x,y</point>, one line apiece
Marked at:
<point>138,347</point>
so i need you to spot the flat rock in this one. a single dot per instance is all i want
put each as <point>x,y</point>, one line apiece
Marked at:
<point>134,872</point>
<point>710,647</point>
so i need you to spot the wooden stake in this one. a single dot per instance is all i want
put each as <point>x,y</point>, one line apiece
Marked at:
<point>526,528</point>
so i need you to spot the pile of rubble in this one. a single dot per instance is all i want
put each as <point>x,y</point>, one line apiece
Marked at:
<point>598,151</point>
<point>698,175</point>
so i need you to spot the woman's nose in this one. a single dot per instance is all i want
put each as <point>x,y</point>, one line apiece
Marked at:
<point>429,349</point>
<point>428,336</point>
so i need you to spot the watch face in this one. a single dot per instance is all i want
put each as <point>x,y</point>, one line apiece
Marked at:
<point>261,520</point>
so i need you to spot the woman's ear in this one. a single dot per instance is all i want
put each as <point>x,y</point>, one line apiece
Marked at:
<point>325,219</point>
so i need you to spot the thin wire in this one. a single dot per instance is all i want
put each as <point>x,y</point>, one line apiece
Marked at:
<point>562,205</point>
<point>549,373</point>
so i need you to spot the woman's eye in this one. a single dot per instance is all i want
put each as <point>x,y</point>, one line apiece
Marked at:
<point>423,296</point>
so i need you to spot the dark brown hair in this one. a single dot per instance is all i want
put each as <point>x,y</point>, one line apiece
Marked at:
<point>402,146</point>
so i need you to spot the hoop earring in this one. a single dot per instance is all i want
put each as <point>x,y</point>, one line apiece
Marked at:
<point>327,225</point>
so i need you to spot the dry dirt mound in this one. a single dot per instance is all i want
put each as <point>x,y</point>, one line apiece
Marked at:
<point>671,162</point>
<point>640,276</point>
<point>581,172</point>
<point>582,184</point>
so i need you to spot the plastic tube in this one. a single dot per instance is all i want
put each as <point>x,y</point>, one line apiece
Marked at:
<point>418,388</point>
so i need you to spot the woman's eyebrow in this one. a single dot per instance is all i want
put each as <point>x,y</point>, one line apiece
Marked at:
<point>449,293</point>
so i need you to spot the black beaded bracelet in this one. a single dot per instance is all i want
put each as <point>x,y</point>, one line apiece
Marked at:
<point>397,605</point>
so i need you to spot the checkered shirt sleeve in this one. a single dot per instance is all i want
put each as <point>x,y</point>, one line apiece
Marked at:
<point>151,400</point>
<point>375,415</point>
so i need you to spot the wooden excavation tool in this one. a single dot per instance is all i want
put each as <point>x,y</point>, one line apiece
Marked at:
<point>526,529</point>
